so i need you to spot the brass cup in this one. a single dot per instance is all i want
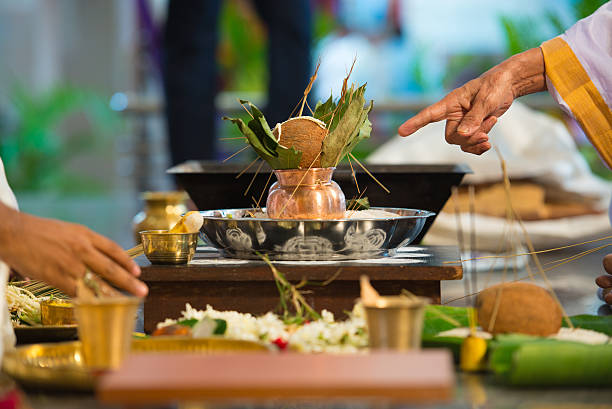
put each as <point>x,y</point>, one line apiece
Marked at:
<point>396,322</point>
<point>105,329</point>
<point>57,312</point>
<point>162,247</point>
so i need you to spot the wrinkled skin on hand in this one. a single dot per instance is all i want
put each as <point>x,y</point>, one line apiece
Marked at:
<point>59,253</point>
<point>471,110</point>
<point>605,281</point>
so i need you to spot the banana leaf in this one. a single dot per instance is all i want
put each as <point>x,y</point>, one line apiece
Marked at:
<point>597,323</point>
<point>260,137</point>
<point>530,361</point>
<point>434,322</point>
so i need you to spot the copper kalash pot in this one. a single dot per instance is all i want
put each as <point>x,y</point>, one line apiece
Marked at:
<point>305,194</point>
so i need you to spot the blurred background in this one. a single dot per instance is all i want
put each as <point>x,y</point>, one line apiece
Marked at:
<point>83,118</point>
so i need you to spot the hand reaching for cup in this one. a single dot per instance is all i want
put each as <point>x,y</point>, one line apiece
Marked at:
<point>60,253</point>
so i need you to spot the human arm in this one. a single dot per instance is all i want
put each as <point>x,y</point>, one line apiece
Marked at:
<point>59,253</point>
<point>471,110</point>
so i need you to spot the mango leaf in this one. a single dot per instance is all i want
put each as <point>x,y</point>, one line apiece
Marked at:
<point>323,110</point>
<point>346,127</point>
<point>260,127</point>
<point>261,138</point>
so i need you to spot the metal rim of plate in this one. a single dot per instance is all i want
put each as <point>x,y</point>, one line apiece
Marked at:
<point>236,236</point>
<point>58,366</point>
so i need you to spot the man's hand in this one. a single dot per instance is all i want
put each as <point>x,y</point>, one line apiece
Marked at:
<point>471,110</point>
<point>605,281</point>
<point>59,253</point>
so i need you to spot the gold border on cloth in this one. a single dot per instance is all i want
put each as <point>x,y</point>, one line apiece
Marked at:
<point>578,91</point>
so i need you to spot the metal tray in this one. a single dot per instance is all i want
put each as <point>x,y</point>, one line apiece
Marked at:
<point>45,333</point>
<point>243,237</point>
<point>58,366</point>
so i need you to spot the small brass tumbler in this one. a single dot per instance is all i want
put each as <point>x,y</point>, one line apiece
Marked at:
<point>396,322</point>
<point>57,312</point>
<point>162,247</point>
<point>105,329</point>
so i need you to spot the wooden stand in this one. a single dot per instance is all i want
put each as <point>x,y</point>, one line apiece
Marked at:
<point>248,285</point>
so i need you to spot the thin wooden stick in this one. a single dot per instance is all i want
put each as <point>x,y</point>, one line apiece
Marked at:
<point>472,204</point>
<point>264,189</point>
<point>253,179</point>
<point>574,258</point>
<point>356,204</point>
<point>353,172</point>
<point>299,183</point>
<point>535,252</point>
<point>247,168</point>
<point>240,151</point>
<point>232,138</point>
<point>368,172</point>
<point>455,196</point>
<point>530,246</point>
<point>309,87</point>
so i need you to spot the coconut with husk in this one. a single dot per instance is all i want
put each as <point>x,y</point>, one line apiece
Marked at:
<point>518,308</point>
<point>305,134</point>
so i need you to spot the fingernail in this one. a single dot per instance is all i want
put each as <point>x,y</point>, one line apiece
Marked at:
<point>463,129</point>
<point>142,289</point>
<point>136,270</point>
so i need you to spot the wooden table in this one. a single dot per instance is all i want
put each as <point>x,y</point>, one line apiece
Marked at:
<point>248,285</point>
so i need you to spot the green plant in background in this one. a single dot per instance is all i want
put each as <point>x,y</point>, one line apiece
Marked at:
<point>40,134</point>
<point>523,33</point>
<point>242,49</point>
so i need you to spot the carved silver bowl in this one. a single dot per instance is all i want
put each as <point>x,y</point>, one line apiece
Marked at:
<point>243,237</point>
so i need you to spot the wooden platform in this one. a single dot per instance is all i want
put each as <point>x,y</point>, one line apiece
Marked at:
<point>248,285</point>
<point>420,376</point>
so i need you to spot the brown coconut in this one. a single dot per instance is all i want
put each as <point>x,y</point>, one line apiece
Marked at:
<point>305,134</point>
<point>523,308</point>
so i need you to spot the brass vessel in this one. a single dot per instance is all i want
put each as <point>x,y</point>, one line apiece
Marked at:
<point>396,322</point>
<point>57,312</point>
<point>162,247</point>
<point>305,194</point>
<point>105,329</point>
<point>162,210</point>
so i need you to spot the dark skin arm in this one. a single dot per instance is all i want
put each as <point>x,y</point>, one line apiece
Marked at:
<point>471,111</point>
<point>59,253</point>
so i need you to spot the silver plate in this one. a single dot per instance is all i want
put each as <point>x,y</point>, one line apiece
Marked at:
<point>237,236</point>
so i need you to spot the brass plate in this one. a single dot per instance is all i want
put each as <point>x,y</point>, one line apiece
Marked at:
<point>58,366</point>
<point>45,333</point>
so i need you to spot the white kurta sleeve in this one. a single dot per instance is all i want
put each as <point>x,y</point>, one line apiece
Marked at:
<point>7,335</point>
<point>591,41</point>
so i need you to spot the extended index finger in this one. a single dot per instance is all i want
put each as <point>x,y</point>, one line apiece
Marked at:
<point>432,113</point>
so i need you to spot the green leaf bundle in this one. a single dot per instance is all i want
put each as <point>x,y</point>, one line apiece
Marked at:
<point>260,137</point>
<point>347,122</point>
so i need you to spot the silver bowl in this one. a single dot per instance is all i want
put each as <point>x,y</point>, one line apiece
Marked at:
<point>243,237</point>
